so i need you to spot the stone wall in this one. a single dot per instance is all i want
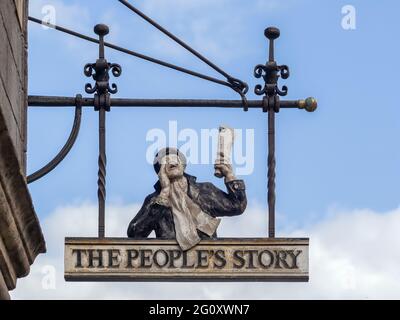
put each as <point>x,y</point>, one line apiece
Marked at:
<point>13,75</point>
<point>21,238</point>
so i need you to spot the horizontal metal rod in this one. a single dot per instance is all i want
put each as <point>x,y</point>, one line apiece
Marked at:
<point>46,101</point>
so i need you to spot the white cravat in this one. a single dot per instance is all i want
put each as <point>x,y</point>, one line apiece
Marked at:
<point>188,216</point>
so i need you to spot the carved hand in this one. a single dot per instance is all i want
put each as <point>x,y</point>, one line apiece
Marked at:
<point>226,170</point>
<point>164,181</point>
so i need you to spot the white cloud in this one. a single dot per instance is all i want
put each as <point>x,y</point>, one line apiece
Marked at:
<point>353,255</point>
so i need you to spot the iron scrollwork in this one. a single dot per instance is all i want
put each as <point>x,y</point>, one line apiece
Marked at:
<point>271,72</point>
<point>99,71</point>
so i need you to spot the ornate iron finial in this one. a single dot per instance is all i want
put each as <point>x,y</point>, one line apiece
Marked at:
<point>99,71</point>
<point>271,72</point>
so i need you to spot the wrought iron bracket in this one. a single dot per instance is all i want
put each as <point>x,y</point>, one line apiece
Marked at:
<point>66,148</point>
<point>102,102</point>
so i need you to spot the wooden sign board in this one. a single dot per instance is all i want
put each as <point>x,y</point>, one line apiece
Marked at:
<point>238,259</point>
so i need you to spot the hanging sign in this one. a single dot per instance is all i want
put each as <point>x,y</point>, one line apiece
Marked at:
<point>117,259</point>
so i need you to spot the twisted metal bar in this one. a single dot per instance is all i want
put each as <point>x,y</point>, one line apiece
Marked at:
<point>99,71</point>
<point>272,93</point>
<point>67,146</point>
<point>271,173</point>
<point>102,162</point>
<point>270,73</point>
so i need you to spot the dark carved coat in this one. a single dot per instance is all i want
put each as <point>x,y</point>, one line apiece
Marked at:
<point>213,201</point>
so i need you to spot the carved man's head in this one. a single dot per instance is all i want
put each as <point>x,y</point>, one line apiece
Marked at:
<point>174,161</point>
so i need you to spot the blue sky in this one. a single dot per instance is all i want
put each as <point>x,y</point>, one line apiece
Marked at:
<point>337,168</point>
<point>344,155</point>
